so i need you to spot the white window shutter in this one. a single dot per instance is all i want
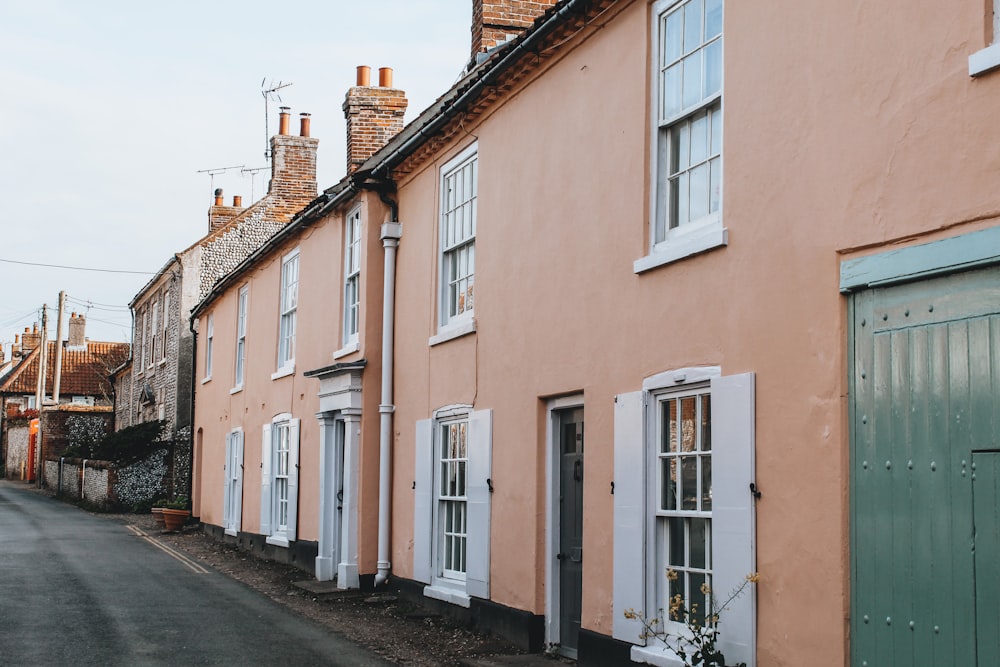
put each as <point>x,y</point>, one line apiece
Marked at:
<point>293,479</point>
<point>265,480</point>
<point>227,490</point>
<point>733,530</point>
<point>423,498</point>
<point>237,521</point>
<point>629,581</point>
<point>477,546</point>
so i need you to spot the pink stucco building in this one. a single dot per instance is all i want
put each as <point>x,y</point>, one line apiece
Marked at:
<point>687,285</point>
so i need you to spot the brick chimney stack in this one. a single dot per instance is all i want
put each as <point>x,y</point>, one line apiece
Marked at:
<point>77,330</point>
<point>374,115</point>
<point>15,349</point>
<point>219,214</point>
<point>293,162</point>
<point>497,21</point>
<point>30,339</point>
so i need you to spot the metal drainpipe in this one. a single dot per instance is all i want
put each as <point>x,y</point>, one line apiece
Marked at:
<point>83,479</point>
<point>391,232</point>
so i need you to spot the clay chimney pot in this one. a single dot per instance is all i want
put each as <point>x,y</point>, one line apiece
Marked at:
<point>385,77</point>
<point>364,75</point>
<point>283,121</point>
<point>218,196</point>
<point>304,122</point>
<point>237,201</point>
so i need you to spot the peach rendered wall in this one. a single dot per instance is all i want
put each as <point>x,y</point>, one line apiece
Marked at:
<point>848,128</point>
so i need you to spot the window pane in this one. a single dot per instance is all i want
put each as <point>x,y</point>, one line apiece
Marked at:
<point>672,43</point>
<point>706,483</point>
<point>697,601</point>
<point>671,91</point>
<point>715,185</point>
<point>713,68</point>
<point>696,539</point>
<point>668,484</point>
<point>699,138</point>
<point>688,408</point>
<point>671,417</point>
<point>713,19</point>
<point>692,79</point>
<point>699,192</point>
<point>682,211</point>
<point>692,25</point>
<point>689,483</point>
<point>706,423</point>
<point>676,541</point>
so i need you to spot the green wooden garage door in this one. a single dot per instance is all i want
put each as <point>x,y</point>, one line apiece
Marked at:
<point>925,367</point>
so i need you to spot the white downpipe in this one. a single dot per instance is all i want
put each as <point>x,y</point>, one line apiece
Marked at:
<point>391,232</point>
<point>83,480</point>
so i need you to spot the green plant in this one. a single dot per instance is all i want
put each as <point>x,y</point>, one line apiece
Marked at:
<point>696,644</point>
<point>179,503</point>
<point>128,445</point>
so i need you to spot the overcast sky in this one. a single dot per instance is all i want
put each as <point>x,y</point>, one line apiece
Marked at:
<point>109,109</point>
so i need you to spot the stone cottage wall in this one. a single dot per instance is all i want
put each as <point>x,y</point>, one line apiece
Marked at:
<point>17,451</point>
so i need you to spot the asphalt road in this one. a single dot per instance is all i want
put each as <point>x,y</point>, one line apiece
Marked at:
<point>79,589</point>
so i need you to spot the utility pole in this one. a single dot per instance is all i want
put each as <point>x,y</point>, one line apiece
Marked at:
<point>40,392</point>
<point>59,347</point>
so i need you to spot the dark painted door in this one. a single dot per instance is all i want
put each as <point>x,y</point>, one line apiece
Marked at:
<point>570,528</point>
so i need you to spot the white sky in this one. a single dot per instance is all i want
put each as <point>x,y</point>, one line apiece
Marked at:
<point>108,109</point>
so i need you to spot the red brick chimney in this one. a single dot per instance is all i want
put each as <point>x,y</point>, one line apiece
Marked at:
<point>374,115</point>
<point>30,339</point>
<point>293,162</point>
<point>219,214</point>
<point>15,349</point>
<point>77,330</point>
<point>497,21</point>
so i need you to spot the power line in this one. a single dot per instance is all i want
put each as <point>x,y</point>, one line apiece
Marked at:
<point>91,305</point>
<point>78,268</point>
<point>95,303</point>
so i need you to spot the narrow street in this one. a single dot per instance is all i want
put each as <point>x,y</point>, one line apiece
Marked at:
<point>77,589</point>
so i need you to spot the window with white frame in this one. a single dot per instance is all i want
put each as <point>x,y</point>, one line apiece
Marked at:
<point>289,303</point>
<point>232,505</point>
<point>988,59</point>
<point>452,504</point>
<point>154,334</point>
<point>687,133</point>
<point>209,344</point>
<point>166,323</point>
<point>241,333</point>
<point>140,340</point>
<point>279,480</point>
<point>352,275</point>
<point>683,450</point>
<point>459,190</point>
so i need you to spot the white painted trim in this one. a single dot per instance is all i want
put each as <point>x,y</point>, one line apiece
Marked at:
<point>206,379</point>
<point>709,237</point>
<point>444,322</point>
<point>553,524</point>
<point>661,657</point>
<point>346,350</point>
<point>681,377</point>
<point>449,595</point>
<point>277,540</point>
<point>284,371</point>
<point>236,390</point>
<point>985,60</point>
<point>457,328</point>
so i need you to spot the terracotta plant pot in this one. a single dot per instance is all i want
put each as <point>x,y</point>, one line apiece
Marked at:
<point>174,519</point>
<point>158,516</point>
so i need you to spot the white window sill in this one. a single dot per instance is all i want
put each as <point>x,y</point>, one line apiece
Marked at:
<point>237,389</point>
<point>684,246</point>
<point>231,532</point>
<point>659,656</point>
<point>206,379</point>
<point>284,371</point>
<point>985,60</point>
<point>162,362</point>
<point>449,595</point>
<point>277,540</point>
<point>453,330</point>
<point>346,350</point>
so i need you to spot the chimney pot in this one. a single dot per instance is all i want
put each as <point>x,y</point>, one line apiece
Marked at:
<point>283,121</point>
<point>364,75</point>
<point>385,77</point>
<point>304,122</point>
<point>237,201</point>
<point>218,196</point>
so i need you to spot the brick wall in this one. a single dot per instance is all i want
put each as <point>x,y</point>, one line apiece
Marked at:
<point>496,21</point>
<point>374,116</point>
<point>68,426</point>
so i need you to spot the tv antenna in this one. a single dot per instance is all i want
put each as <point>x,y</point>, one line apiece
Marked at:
<point>217,170</point>
<point>253,171</point>
<point>270,93</point>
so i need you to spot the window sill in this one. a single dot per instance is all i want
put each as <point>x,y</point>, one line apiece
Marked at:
<point>231,532</point>
<point>284,371</point>
<point>660,657</point>
<point>453,330</point>
<point>703,240</point>
<point>237,389</point>
<point>449,595</point>
<point>985,60</point>
<point>161,362</point>
<point>346,350</point>
<point>206,379</point>
<point>277,540</point>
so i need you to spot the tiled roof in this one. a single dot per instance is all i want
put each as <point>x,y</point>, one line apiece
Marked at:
<point>85,371</point>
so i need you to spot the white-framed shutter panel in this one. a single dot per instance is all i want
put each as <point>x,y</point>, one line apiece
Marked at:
<point>237,521</point>
<point>266,448</point>
<point>629,571</point>
<point>477,545</point>
<point>423,498</point>
<point>733,529</point>
<point>293,479</point>
<point>227,490</point>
